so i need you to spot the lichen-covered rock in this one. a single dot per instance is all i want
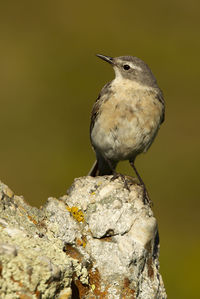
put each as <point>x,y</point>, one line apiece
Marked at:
<point>98,241</point>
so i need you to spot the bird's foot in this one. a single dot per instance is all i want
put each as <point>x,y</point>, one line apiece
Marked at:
<point>146,198</point>
<point>117,175</point>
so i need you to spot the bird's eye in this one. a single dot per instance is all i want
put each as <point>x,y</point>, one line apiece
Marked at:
<point>126,67</point>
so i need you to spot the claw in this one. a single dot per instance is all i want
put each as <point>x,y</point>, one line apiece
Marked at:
<point>146,198</point>
<point>117,175</point>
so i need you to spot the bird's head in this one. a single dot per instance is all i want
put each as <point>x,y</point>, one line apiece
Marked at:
<point>131,68</point>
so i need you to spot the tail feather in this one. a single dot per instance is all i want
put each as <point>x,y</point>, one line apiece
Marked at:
<point>94,170</point>
<point>101,167</point>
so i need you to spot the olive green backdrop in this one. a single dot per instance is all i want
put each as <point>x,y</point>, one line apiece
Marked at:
<point>49,79</point>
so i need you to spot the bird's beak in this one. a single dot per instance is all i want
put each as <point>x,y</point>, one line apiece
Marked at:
<point>106,58</point>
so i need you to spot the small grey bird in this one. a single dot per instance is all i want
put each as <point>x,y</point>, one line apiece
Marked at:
<point>126,116</point>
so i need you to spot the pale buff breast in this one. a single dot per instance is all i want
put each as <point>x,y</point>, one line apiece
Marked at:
<point>127,123</point>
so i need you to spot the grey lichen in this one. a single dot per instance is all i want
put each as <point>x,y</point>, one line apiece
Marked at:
<point>97,241</point>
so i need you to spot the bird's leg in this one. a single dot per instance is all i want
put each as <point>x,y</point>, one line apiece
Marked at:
<point>117,174</point>
<point>146,198</point>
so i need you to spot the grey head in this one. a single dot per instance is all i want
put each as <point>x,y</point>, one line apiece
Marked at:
<point>132,68</point>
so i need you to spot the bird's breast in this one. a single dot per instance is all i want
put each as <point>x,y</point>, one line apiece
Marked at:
<point>127,123</point>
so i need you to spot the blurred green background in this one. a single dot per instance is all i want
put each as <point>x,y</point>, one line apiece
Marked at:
<point>49,79</point>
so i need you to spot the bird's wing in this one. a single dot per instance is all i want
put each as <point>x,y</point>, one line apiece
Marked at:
<point>161,100</point>
<point>103,96</point>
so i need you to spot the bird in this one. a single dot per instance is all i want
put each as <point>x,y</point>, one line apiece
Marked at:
<point>126,116</point>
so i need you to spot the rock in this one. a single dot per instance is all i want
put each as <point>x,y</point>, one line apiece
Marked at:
<point>97,241</point>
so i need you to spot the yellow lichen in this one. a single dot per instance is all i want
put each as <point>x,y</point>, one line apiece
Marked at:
<point>84,244</point>
<point>76,213</point>
<point>81,242</point>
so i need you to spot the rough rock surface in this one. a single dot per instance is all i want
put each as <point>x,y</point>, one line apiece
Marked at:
<point>98,241</point>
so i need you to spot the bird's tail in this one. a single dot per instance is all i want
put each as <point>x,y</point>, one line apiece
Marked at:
<point>94,170</point>
<point>101,167</point>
